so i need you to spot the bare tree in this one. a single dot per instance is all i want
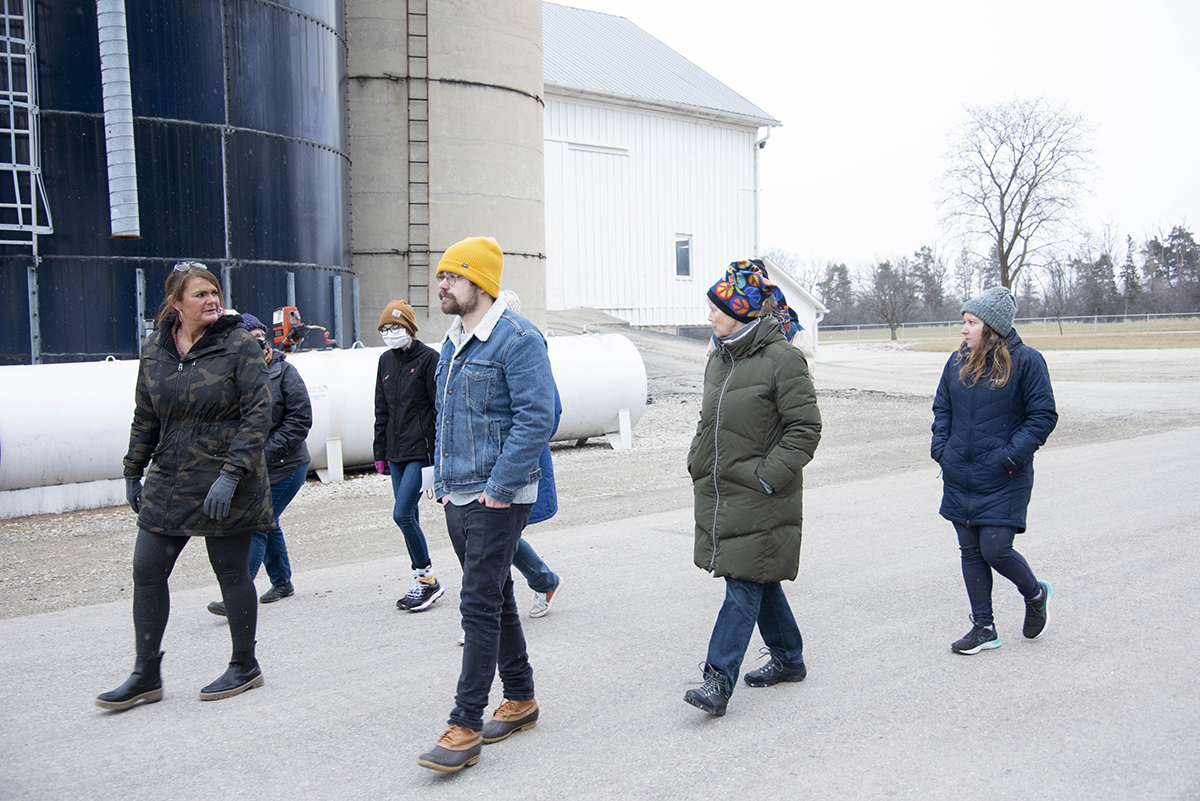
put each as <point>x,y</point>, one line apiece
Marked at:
<point>1014,172</point>
<point>889,294</point>
<point>1056,290</point>
<point>964,274</point>
<point>806,275</point>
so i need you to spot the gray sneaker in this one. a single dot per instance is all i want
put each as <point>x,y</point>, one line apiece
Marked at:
<point>544,600</point>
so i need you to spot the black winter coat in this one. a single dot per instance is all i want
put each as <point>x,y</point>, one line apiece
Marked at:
<point>291,419</point>
<point>984,439</point>
<point>405,387</point>
<point>194,418</point>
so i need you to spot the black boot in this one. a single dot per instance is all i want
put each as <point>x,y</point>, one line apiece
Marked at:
<point>144,684</point>
<point>713,697</point>
<point>242,674</point>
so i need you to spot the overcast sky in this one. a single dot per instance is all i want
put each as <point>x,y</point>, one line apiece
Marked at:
<point>868,91</point>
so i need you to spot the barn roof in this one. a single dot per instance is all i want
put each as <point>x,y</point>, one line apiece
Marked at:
<point>592,53</point>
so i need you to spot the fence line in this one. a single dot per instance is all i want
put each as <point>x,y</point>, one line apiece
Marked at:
<point>1113,323</point>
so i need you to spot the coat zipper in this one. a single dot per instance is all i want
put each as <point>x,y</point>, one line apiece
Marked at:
<point>716,458</point>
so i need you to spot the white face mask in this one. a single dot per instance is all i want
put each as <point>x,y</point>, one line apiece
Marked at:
<point>395,339</point>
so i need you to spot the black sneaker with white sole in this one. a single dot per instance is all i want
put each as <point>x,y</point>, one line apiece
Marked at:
<point>979,638</point>
<point>421,596</point>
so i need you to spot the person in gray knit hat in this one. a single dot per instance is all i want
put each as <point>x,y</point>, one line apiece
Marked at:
<point>996,307</point>
<point>993,409</point>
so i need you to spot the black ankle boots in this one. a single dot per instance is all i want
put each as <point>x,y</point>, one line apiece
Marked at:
<point>144,685</point>
<point>242,674</point>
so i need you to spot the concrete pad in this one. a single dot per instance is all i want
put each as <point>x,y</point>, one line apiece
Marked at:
<point>1103,705</point>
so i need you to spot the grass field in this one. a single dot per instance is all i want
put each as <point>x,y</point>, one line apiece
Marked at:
<point>1078,341</point>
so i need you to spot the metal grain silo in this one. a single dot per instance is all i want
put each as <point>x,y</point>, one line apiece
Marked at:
<point>240,149</point>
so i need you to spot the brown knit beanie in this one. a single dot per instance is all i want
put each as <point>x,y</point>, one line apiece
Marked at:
<point>399,313</point>
<point>478,259</point>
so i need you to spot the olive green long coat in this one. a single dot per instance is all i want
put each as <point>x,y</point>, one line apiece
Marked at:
<point>210,411</point>
<point>759,425</point>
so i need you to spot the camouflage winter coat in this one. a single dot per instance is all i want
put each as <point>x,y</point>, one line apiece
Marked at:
<point>195,417</point>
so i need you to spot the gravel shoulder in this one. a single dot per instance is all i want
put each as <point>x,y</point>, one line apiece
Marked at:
<point>875,403</point>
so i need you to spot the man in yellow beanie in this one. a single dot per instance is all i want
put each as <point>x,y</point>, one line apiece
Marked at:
<point>495,405</point>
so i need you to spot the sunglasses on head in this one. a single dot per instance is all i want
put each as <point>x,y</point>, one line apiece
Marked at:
<point>184,266</point>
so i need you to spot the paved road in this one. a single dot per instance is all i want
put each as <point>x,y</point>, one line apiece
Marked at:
<point>1104,705</point>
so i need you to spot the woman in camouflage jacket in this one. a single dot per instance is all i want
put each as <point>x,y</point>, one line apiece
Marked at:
<point>202,414</point>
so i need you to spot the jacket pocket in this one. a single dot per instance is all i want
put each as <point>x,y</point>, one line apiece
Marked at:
<point>480,384</point>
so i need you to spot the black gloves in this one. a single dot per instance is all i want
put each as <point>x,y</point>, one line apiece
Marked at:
<point>133,492</point>
<point>216,505</point>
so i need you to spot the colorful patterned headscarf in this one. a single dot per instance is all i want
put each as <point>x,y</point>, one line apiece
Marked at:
<point>741,292</point>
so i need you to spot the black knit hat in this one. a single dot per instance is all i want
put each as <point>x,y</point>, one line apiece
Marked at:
<point>996,307</point>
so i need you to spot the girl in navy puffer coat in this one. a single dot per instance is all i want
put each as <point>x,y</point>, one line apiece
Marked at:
<point>994,408</point>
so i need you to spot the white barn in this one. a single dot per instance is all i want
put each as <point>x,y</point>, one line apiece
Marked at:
<point>651,174</point>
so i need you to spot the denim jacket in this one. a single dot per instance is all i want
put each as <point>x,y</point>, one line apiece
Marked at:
<point>495,406</point>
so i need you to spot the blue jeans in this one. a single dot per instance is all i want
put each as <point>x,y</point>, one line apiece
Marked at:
<point>406,486</point>
<point>267,547</point>
<point>537,574</point>
<point>485,541</point>
<point>988,548</point>
<point>747,603</point>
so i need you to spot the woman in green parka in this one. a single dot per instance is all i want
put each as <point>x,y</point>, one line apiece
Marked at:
<point>759,426</point>
<point>201,416</point>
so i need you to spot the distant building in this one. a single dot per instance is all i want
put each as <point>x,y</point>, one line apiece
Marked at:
<point>651,172</point>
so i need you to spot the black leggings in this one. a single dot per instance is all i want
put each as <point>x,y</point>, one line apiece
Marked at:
<point>153,559</point>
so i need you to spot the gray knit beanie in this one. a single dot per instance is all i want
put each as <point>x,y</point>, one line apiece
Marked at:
<point>996,307</point>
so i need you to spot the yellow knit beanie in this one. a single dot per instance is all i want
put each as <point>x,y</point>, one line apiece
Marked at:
<point>478,259</point>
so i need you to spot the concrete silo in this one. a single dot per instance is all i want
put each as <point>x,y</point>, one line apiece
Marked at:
<point>446,142</point>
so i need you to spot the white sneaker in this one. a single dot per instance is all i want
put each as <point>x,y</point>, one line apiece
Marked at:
<point>543,600</point>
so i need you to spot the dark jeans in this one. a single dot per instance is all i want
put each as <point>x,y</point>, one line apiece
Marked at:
<point>485,541</point>
<point>747,603</point>
<point>538,575</point>
<point>267,548</point>
<point>988,548</point>
<point>154,557</point>
<point>406,487</point>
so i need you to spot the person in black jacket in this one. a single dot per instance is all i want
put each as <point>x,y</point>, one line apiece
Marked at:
<point>287,464</point>
<point>201,417</point>
<point>994,407</point>
<point>405,387</point>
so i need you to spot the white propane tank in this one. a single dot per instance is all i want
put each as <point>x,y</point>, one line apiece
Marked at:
<point>341,387</point>
<point>64,428</point>
<point>602,383</point>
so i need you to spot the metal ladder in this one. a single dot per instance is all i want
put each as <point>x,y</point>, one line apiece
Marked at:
<point>24,212</point>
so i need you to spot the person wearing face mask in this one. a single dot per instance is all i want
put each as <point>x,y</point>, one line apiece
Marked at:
<point>287,464</point>
<point>405,387</point>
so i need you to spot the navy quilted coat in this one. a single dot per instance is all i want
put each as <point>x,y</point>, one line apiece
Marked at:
<point>985,439</point>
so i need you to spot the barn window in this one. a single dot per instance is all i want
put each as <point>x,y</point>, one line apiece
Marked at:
<point>683,256</point>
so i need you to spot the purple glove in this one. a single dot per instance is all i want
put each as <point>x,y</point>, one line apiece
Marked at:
<point>383,468</point>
